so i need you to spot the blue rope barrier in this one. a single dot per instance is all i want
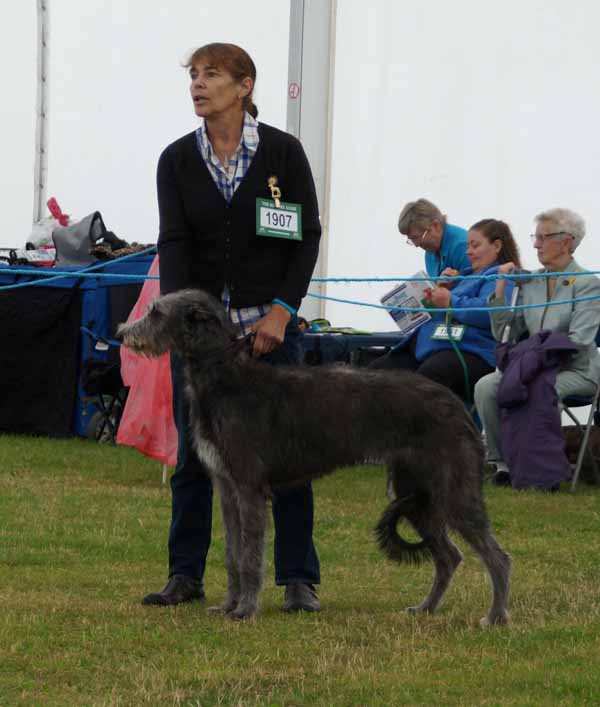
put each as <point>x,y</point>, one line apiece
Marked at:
<point>53,275</point>
<point>88,272</point>
<point>64,274</point>
<point>458,278</point>
<point>499,308</point>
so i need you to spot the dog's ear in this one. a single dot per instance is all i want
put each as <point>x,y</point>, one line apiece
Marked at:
<point>195,316</point>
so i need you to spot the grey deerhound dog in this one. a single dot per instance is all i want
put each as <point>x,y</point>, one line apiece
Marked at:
<point>257,427</point>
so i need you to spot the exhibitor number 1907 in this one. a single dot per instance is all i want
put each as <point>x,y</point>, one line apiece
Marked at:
<point>278,220</point>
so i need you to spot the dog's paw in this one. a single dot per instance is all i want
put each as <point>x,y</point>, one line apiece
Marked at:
<point>415,610</point>
<point>218,610</point>
<point>229,605</point>
<point>496,620</point>
<point>241,614</point>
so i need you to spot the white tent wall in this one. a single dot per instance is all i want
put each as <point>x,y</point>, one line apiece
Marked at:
<point>118,96</point>
<point>17,125</point>
<point>488,109</point>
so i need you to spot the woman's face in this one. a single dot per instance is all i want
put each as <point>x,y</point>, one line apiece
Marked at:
<point>552,244</point>
<point>214,91</point>
<point>480,251</point>
<point>430,239</point>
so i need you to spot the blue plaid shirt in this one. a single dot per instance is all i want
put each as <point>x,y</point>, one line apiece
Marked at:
<point>228,178</point>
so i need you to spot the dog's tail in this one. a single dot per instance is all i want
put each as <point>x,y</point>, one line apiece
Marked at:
<point>388,538</point>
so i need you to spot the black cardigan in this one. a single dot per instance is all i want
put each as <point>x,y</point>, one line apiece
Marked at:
<point>205,242</point>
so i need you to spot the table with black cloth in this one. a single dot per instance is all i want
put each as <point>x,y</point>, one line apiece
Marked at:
<point>43,344</point>
<point>356,349</point>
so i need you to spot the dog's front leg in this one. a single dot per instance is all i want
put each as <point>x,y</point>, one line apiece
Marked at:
<point>253,516</point>
<point>233,542</point>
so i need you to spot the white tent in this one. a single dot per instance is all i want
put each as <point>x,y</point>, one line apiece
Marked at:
<point>487,109</point>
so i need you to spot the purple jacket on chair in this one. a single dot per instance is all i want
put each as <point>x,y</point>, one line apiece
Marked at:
<point>530,434</point>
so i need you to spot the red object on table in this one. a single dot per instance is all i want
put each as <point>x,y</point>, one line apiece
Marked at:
<point>56,211</point>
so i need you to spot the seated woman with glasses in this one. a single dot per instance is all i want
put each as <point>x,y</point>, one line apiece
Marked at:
<point>558,233</point>
<point>459,363</point>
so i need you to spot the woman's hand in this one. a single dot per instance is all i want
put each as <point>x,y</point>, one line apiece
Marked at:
<point>447,272</point>
<point>440,297</point>
<point>504,269</point>
<point>270,330</point>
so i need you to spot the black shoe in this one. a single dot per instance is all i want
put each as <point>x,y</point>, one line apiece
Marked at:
<point>177,590</point>
<point>301,597</point>
<point>501,478</point>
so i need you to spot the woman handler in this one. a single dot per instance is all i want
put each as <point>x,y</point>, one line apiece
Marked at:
<point>217,234</point>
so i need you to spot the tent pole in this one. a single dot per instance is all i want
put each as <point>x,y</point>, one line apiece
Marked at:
<point>309,110</point>
<point>41,112</point>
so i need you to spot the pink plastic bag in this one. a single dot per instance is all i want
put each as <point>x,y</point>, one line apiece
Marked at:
<point>147,422</point>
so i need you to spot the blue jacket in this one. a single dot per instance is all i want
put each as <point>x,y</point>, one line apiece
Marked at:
<point>477,338</point>
<point>452,253</point>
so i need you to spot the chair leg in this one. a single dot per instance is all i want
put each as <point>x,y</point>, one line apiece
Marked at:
<point>584,443</point>
<point>104,424</point>
<point>111,419</point>
<point>573,418</point>
<point>111,414</point>
<point>594,463</point>
<point>111,410</point>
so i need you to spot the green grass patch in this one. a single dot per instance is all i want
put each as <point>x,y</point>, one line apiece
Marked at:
<point>83,530</point>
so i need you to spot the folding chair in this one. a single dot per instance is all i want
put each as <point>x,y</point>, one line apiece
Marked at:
<point>575,401</point>
<point>102,383</point>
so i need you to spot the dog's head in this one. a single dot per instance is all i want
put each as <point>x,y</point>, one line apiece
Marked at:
<point>191,323</point>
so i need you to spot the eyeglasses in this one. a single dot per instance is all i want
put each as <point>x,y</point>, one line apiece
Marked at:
<point>417,240</point>
<point>542,238</point>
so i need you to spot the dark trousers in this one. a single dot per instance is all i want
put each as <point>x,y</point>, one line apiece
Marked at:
<point>442,366</point>
<point>191,516</point>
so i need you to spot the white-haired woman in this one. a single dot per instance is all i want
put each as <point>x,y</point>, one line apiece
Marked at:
<point>558,233</point>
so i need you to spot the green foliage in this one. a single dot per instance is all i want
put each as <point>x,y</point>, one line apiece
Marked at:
<point>83,531</point>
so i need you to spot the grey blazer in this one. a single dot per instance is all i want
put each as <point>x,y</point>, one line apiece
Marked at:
<point>579,321</point>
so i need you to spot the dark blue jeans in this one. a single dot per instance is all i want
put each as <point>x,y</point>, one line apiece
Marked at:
<point>191,516</point>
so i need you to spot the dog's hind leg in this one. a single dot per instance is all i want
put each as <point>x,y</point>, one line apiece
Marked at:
<point>233,543</point>
<point>446,558</point>
<point>253,522</point>
<point>423,514</point>
<point>476,531</point>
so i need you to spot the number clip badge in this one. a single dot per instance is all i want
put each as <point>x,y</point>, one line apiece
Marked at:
<point>272,182</point>
<point>276,218</point>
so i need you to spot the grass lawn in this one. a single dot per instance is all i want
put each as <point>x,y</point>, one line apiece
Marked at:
<point>83,533</point>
